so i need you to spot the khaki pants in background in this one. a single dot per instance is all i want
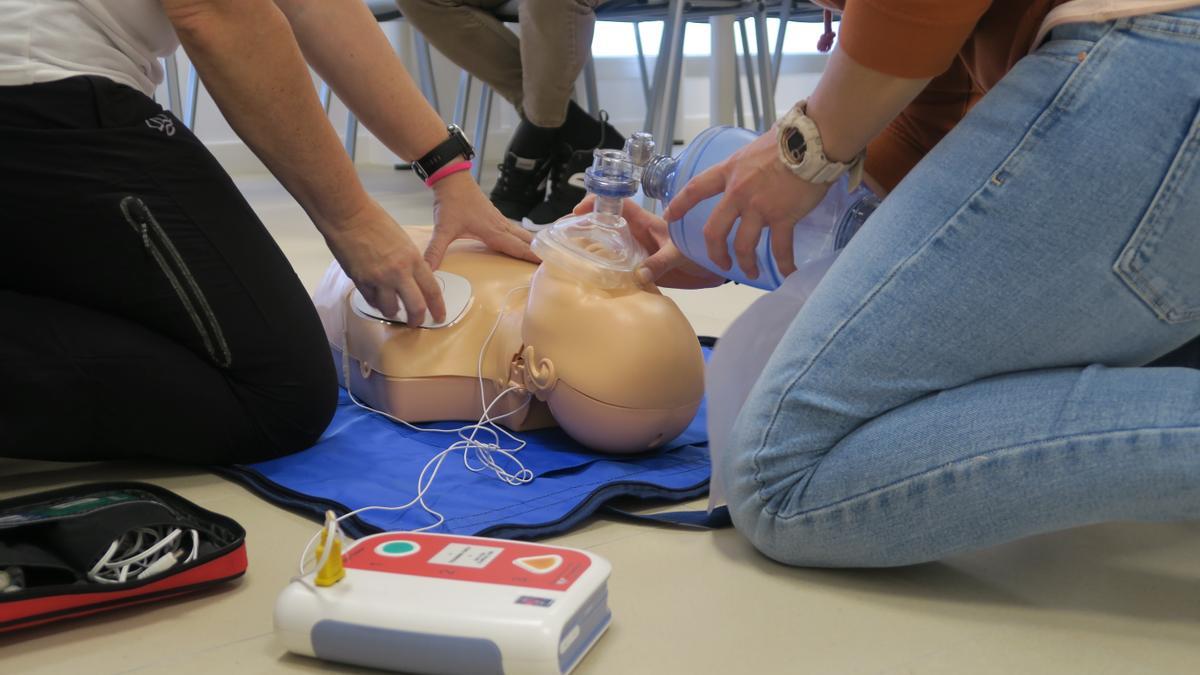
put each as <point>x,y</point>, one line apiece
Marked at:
<point>537,72</point>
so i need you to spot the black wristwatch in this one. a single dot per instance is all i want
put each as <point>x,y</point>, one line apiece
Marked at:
<point>446,151</point>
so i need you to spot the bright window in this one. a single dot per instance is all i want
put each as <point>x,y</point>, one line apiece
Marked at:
<point>615,38</point>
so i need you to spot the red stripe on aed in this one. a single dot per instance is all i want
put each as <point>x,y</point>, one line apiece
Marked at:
<point>229,565</point>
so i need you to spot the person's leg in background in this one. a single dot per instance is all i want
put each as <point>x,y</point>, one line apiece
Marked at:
<point>468,33</point>
<point>556,42</point>
<point>147,312</point>
<point>967,372</point>
<point>535,73</point>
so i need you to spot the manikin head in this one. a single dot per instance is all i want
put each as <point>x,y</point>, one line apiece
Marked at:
<point>617,362</point>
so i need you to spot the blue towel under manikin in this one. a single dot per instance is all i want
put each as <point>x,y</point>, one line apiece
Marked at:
<point>364,459</point>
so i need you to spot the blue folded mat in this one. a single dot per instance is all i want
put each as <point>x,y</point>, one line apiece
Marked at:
<point>364,459</point>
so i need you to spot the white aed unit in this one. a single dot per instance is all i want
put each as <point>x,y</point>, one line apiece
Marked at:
<point>433,603</point>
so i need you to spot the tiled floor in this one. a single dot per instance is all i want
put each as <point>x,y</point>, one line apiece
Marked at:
<point>1117,598</point>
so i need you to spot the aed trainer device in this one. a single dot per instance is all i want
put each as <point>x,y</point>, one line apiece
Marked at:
<point>435,604</point>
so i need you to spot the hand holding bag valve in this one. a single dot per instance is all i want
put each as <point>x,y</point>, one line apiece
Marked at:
<point>87,549</point>
<point>824,229</point>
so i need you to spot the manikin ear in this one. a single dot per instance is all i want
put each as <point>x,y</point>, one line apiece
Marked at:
<point>540,376</point>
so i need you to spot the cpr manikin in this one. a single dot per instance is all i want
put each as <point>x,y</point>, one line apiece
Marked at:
<point>586,347</point>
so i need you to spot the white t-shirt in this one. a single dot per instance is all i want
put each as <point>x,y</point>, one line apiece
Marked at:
<point>47,40</point>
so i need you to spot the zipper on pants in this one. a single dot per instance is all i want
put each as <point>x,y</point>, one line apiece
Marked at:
<point>156,241</point>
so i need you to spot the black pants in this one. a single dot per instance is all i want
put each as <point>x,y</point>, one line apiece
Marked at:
<point>144,310</point>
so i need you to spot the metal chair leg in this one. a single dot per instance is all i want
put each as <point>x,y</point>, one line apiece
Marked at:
<point>751,87</point>
<point>785,15</point>
<point>193,86</point>
<point>738,106</point>
<point>670,54</point>
<point>463,99</point>
<point>659,78</point>
<point>765,82</point>
<point>174,100</point>
<point>641,55</point>
<point>425,69</point>
<point>481,130</point>
<point>674,85</point>
<point>326,95</point>
<point>351,134</point>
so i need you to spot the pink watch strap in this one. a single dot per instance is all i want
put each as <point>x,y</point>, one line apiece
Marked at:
<point>447,170</point>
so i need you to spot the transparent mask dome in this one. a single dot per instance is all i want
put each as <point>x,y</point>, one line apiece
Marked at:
<point>597,246</point>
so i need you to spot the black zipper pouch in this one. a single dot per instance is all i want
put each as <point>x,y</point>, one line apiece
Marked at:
<point>91,548</point>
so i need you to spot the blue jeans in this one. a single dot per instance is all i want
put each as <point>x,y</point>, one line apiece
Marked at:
<point>972,369</point>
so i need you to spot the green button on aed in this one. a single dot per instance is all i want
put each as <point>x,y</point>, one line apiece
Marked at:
<point>398,548</point>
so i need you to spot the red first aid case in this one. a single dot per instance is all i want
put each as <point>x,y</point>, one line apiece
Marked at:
<point>93,548</point>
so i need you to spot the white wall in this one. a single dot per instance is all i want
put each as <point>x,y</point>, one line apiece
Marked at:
<point>618,80</point>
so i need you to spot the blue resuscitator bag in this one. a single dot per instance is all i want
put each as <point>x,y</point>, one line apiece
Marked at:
<point>824,230</point>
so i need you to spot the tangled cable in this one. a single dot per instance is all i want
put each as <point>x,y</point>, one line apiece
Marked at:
<point>478,454</point>
<point>142,553</point>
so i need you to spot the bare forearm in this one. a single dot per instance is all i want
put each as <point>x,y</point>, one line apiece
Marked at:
<point>252,67</point>
<point>852,104</point>
<point>344,45</point>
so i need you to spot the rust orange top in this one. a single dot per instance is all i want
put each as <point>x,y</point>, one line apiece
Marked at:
<point>965,45</point>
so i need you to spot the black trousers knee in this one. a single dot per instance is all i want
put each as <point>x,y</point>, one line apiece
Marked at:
<point>144,309</point>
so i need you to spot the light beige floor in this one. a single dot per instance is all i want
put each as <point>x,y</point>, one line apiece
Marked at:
<point>1118,598</point>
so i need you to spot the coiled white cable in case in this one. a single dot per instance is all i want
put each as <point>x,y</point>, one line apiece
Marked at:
<point>144,552</point>
<point>478,455</point>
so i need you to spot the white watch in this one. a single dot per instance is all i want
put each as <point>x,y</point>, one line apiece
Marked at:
<point>802,152</point>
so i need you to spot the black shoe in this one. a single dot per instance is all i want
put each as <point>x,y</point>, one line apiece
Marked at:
<point>567,187</point>
<point>521,185</point>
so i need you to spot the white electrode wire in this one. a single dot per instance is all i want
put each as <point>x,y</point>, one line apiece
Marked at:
<point>482,451</point>
<point>158,546</point>
<point>431,468</point>
<point>195,547</point>
<point>142,549</point>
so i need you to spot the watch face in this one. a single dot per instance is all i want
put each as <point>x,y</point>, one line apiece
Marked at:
<point>796,145</point>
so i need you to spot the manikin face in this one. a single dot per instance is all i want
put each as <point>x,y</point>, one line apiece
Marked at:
<point>620,368</point>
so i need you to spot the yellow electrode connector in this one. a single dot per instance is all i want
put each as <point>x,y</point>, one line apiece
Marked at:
<point>332,571</point>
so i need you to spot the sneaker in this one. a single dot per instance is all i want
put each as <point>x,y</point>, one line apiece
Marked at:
<point>521,185</point>
<point>567,186</point>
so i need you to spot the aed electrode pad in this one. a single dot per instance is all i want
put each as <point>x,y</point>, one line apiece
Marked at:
<point>456,293</point>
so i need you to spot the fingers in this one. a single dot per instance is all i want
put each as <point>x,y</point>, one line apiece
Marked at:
<point>631,210</point>
<point>746,241</point>
<point>431,292</point>
<point>781,246</point>
<point>716,232</point>
<point>420,293</point>
<point>698,189</point>
<point>644,236</point>
<point>644,224</point>
<point>519,232</point>
<point>512,244</point>
<point>436,250</point>
<point>664,260</point>
<point>585,206</point>
<point>386,303</point>
<point>414,301</point>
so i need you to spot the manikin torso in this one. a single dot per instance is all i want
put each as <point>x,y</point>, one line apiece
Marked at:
<point>615,364</point>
